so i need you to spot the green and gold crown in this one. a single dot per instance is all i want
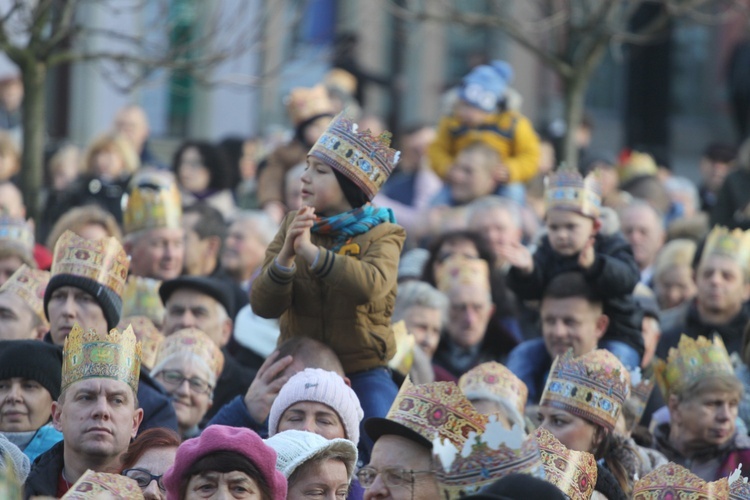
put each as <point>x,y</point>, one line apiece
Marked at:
<point>115,355</point>
<point>567,189</point>
<point>154,203</point>
<point>692,359</point>
<point>734,244</point>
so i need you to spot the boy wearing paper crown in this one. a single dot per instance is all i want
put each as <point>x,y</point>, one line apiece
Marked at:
<point>574,244</point>
<point>330,273</point>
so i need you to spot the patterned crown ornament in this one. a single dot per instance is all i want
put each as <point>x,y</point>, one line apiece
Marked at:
<point>634,164</point>
<point>672,481</point>
<point>567,189</point>
<point>640,392</point>
<point>103,485</point>
<point>305,103</point>
<point>436,410</point>
<point>17,233</point>
<point>29,284</point>
<point>593,386</point>
<point>495,382</point>
<point>734,244</point>
<point>147,334</point>
<point>103,261</point>
<point>693,358</point>
<point>365,160</point>
<point>485,458</point>
<point>573,472</point>
<point>460,270</point>
<point>405,343</point>
<point>739,488</point>
<point>154,203</point>
<point>115,355</point>
<point>141,298</point>
<point>192,341</point>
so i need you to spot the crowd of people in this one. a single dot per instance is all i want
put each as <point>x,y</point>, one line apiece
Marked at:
<point>328,317</point>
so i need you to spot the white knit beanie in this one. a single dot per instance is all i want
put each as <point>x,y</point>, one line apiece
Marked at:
<point>320,386</point>
<point>12,453</point>
<point>293,448</point>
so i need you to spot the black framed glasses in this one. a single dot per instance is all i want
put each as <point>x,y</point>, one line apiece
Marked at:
<point>391,476</point>
<point>144,478</point>
<point>175,378</point>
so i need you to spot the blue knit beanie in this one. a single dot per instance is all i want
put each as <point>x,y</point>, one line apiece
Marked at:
<point>486,84</point>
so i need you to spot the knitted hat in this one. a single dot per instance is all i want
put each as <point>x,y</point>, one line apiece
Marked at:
<point>320,386</point>
<point>294,448</point>
<point>32,360</point>
<point>224,438</point>
<point>486,84</point>
<point>11,452</point>
<point>203,284</point>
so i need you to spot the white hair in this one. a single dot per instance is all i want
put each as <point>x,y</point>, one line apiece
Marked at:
<point>419,294</point>
<point>495,202</point>
<point>265,228</point>
<point>676,185</point>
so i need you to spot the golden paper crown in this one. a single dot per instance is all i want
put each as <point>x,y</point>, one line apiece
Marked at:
<point>674,481</point>
<point>436,410</point>
<point>154,203</point>
<point>195,342</point>
<point>493,381</point>
<point>692,359</point>
<point>593,386</point>
<point>103,261</point>
<point>147,334</point>
<point>365,160</point>
<point>566,189</point>
<point>573,472</point>
<point>733,244</point>
<point>115,355</point>
<point>405,342</point>
<point>29,284</point>
<point>93,485</point>
<point>460,270</point>
<point>305,103</point>
<point>635,164</point>
<point>679,252</point>
<point>485,458</point>
<point>341,79</point>
<point>17,233</point>
<point>141,298</point>
<point>739,488</point>
<point>640,392</point>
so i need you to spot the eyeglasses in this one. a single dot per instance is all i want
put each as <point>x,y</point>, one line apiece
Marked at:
<point>175,378</point>
<point>391,476</point>
<point>144,478</point>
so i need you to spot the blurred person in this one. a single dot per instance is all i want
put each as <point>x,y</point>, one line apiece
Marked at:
<point>132,123</point>
<point>609,179</point>
<point>717,161</point>
<point>245,156</point>
<point>64,167</point>
<point>12,205</point>
<point>16,246</point>
<point>148,458</point>
<point>250,233</point>
<point>643,227</point>
<point>732,208</point>
<point>22,305</point>
<point>91,222</point>
<point>674,282</point>
<point>10,155</point>
<point>688,220</point>
<point>293,187</point>
<point>469,177</point>
<point>11,99</point>
<point>203,175</point>
<point>494,390</point>
<point>499,221</point>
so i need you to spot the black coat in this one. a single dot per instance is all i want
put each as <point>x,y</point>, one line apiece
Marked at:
<point>233,381</point>
<point>612,277</point>
<point>45,471</point>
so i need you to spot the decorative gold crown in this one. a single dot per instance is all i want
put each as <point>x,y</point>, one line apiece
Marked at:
<point>739,488</point>
<point>573,472</point>
<point>634,164</point>
<point>29,284</point>
<point>115,355</point>
<point>103,261</point>
<point>154,202</point>
<point>405,342</point>
<point>460,270</point>
<point>303,103</point>
<point>366,160</point>
<point>593,386</point>
<point>436,410</point>
<point>640,392</point>
<point>485,458</point>
<point>733,244</point>
<point>674,481</point>
<point>141,298</point>
<point>195,342</point>
<point>147,334</point>
<point>493,381</point>
<point>103,485</point>
<point>567,189</point>
<point>693,358</point>
<point>17,233</point>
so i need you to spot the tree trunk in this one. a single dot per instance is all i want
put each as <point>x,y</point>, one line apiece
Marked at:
<point>32,164</point>
<point>575,97</point>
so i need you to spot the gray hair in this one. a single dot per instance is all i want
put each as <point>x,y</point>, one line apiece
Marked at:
<point>265,227</point>
<point>675,185</point>
<point>495,202</point>
<point>419,294</point>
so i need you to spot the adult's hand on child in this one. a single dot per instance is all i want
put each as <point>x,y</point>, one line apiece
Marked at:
<point>518,256</point>
<point>500,173</point>
<point>266,386</point>
<point>587,255</point>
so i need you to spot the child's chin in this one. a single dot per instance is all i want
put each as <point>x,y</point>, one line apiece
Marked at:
<point>566,252</point>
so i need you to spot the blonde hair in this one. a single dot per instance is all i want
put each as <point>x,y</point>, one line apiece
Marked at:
<point>63,155</point>
<point>79,217</point>
<point>116,144</point>
<point>679,252</point>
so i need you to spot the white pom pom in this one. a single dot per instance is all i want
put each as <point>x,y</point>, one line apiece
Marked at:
<point>396,157</point>
<point>354,127</point>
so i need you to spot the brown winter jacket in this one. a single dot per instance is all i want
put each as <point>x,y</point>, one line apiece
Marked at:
<point>345,301</point>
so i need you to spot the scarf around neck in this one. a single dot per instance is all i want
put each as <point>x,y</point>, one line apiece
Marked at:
<point>344,226</point>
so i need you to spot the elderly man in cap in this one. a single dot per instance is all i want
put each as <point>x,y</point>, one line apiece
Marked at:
<point>88,278</point>
<point>205,303</point>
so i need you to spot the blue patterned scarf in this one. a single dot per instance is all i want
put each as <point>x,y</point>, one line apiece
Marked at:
<point>344,226</point>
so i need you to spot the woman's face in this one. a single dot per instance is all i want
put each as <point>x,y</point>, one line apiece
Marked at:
<point>312,417</point>
<point>155,461</point>
<point>24,405</point>
<point>326,480</point>
<point>190,404</point>
<point>574,432</point>
<point>107,164</point>
<point>192,174</point>
<point>224,486</point>
<point>674,286</point>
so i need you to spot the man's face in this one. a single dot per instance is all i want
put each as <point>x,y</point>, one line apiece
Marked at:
<point>196,249</point>
<point>721,285</point>
<point>469,315</point>
<point>425,324</point>
<point>69,305</point>
<point>17,321</point>
<point>8,266</point>
<point>243,251</point>
<point>98,418</point>
<point>571,323</point>
<point>645,233</point>
<point>713,173</point>
<point>497,226</point>
<point>158,254</point>
<point>395,453</point>
<point>188,308</point>
<point>470,177</point>
<point>708,419</point>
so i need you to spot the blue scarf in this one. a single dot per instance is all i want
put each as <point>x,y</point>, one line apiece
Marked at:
<point>344,226</point>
